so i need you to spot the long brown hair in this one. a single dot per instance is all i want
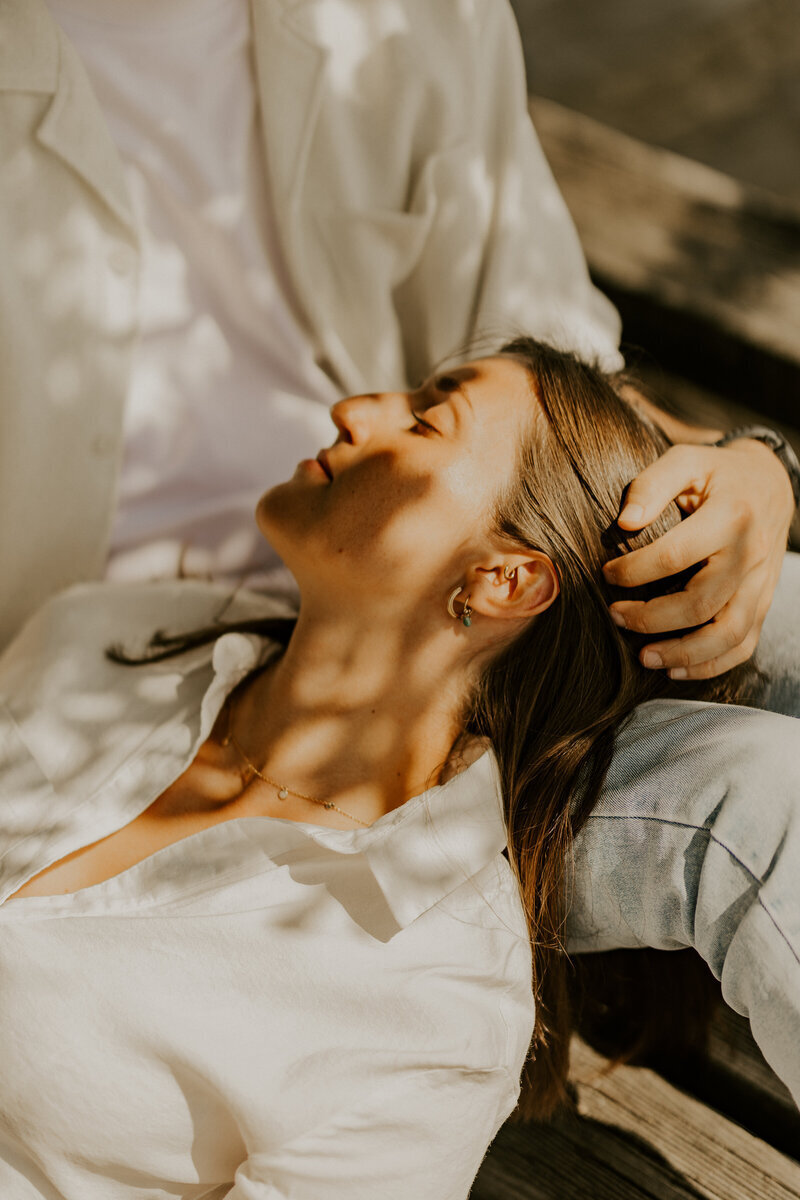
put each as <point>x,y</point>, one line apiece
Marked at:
<point>553,700</point>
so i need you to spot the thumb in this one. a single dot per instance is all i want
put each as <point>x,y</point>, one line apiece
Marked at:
<point>676,472</point>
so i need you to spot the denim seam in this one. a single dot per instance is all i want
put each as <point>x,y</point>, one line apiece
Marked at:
<point>713,837</point>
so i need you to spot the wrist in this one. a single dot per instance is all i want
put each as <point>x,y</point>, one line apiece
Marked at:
<point>678,431</point>
<point>778,446</point>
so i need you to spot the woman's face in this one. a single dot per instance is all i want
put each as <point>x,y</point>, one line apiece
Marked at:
<point>407,509</point>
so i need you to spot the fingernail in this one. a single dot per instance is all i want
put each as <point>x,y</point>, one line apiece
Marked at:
<point>633,514</point>
<point>678,673</point>
<point>618,618</point>
<point>651,658</point>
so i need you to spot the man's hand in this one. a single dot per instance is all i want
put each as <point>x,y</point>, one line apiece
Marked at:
<point>741,505</point>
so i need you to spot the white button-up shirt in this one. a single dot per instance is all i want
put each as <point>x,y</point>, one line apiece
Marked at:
<point>266,1008</point>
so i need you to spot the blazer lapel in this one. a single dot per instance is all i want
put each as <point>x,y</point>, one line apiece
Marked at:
<point>75,129</point>
<point>36,57</point>
<point>344,249</point>
<point>290,70</point>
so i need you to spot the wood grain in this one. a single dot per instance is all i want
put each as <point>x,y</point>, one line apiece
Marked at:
<point>705,270</point>
<point>636,1137</point>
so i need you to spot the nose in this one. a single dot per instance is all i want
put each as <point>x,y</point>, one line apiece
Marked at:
<point>358,417</point>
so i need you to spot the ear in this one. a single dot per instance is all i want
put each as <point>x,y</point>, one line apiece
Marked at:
<point>532,588</point>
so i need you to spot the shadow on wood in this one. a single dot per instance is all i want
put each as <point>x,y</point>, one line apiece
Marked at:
<point>704,270</point>
<point>635,1137</point>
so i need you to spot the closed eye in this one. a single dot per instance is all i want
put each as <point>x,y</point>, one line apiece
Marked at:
<point>419,421</point>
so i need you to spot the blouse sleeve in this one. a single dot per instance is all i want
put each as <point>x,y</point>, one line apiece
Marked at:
<point>422,1134</point>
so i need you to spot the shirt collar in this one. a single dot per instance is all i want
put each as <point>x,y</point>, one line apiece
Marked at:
<point>419,852</point>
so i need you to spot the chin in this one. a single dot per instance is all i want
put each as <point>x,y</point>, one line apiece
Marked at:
<point>271,511</point>
<point>282,518</point>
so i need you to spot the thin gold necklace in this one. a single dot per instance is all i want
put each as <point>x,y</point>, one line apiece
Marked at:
<point>281,788</point>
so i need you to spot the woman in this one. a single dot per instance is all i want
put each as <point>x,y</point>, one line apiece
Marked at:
<point>339,1002</point>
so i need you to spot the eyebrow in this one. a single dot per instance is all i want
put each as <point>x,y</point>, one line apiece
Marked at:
<point>461,391</point>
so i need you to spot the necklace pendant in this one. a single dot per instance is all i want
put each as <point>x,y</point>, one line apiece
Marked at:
<point>282,793</point>
<point>329,804</point>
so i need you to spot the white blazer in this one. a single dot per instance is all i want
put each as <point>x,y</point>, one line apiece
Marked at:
<point>413,203</point>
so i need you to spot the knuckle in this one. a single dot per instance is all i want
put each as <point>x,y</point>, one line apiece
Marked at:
<point>749,645</point>
<point>681,452</point>
<point>740,514</point>
<point>735,632</point>
<point>682,657</point>
<point>668,560</point>
<point>758,622</point>
<point>636,621</point>
<point>699,609</point>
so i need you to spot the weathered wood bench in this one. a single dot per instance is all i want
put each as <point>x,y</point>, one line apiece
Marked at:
<point>706,275</point>
<point>637,1136</point>
<point>704,270</point>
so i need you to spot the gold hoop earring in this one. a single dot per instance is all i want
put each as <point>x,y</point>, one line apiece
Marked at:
<point>466,613</point>
<point>509,572</point>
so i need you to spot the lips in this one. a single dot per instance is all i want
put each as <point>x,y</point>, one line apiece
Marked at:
<point>322,459</point>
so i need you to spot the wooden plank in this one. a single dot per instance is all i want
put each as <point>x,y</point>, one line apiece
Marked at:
<point>714,80</point>
<point>656,222</point>
<point>720,1159</point>
<point>585,1160</point>
<point>634,1137</point>
<point>701,266</point>
<point>734,1079</point>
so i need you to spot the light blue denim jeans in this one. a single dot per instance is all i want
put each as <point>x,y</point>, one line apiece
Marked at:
<point>696,841</point>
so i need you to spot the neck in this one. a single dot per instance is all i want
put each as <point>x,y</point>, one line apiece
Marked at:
<point>358,714</point>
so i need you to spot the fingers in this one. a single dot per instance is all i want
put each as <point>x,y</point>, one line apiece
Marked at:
<point>705,595</point>
<point>736,531</point>
<point>717,666</point>
<point>729,639</point>
<point>690,542</point>
<point>679,470</point>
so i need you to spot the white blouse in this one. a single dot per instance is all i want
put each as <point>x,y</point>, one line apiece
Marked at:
<point>267,1008</point>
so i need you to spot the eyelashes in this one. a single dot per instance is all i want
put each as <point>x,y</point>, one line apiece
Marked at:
<point>418,421</point>
<point>441,383</point>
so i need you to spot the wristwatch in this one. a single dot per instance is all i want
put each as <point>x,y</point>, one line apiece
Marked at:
<point>777,443</point>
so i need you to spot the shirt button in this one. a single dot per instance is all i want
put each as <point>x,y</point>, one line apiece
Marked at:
<point>122,260</point>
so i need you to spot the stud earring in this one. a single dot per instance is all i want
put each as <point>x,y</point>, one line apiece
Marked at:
<point>466,612</point>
